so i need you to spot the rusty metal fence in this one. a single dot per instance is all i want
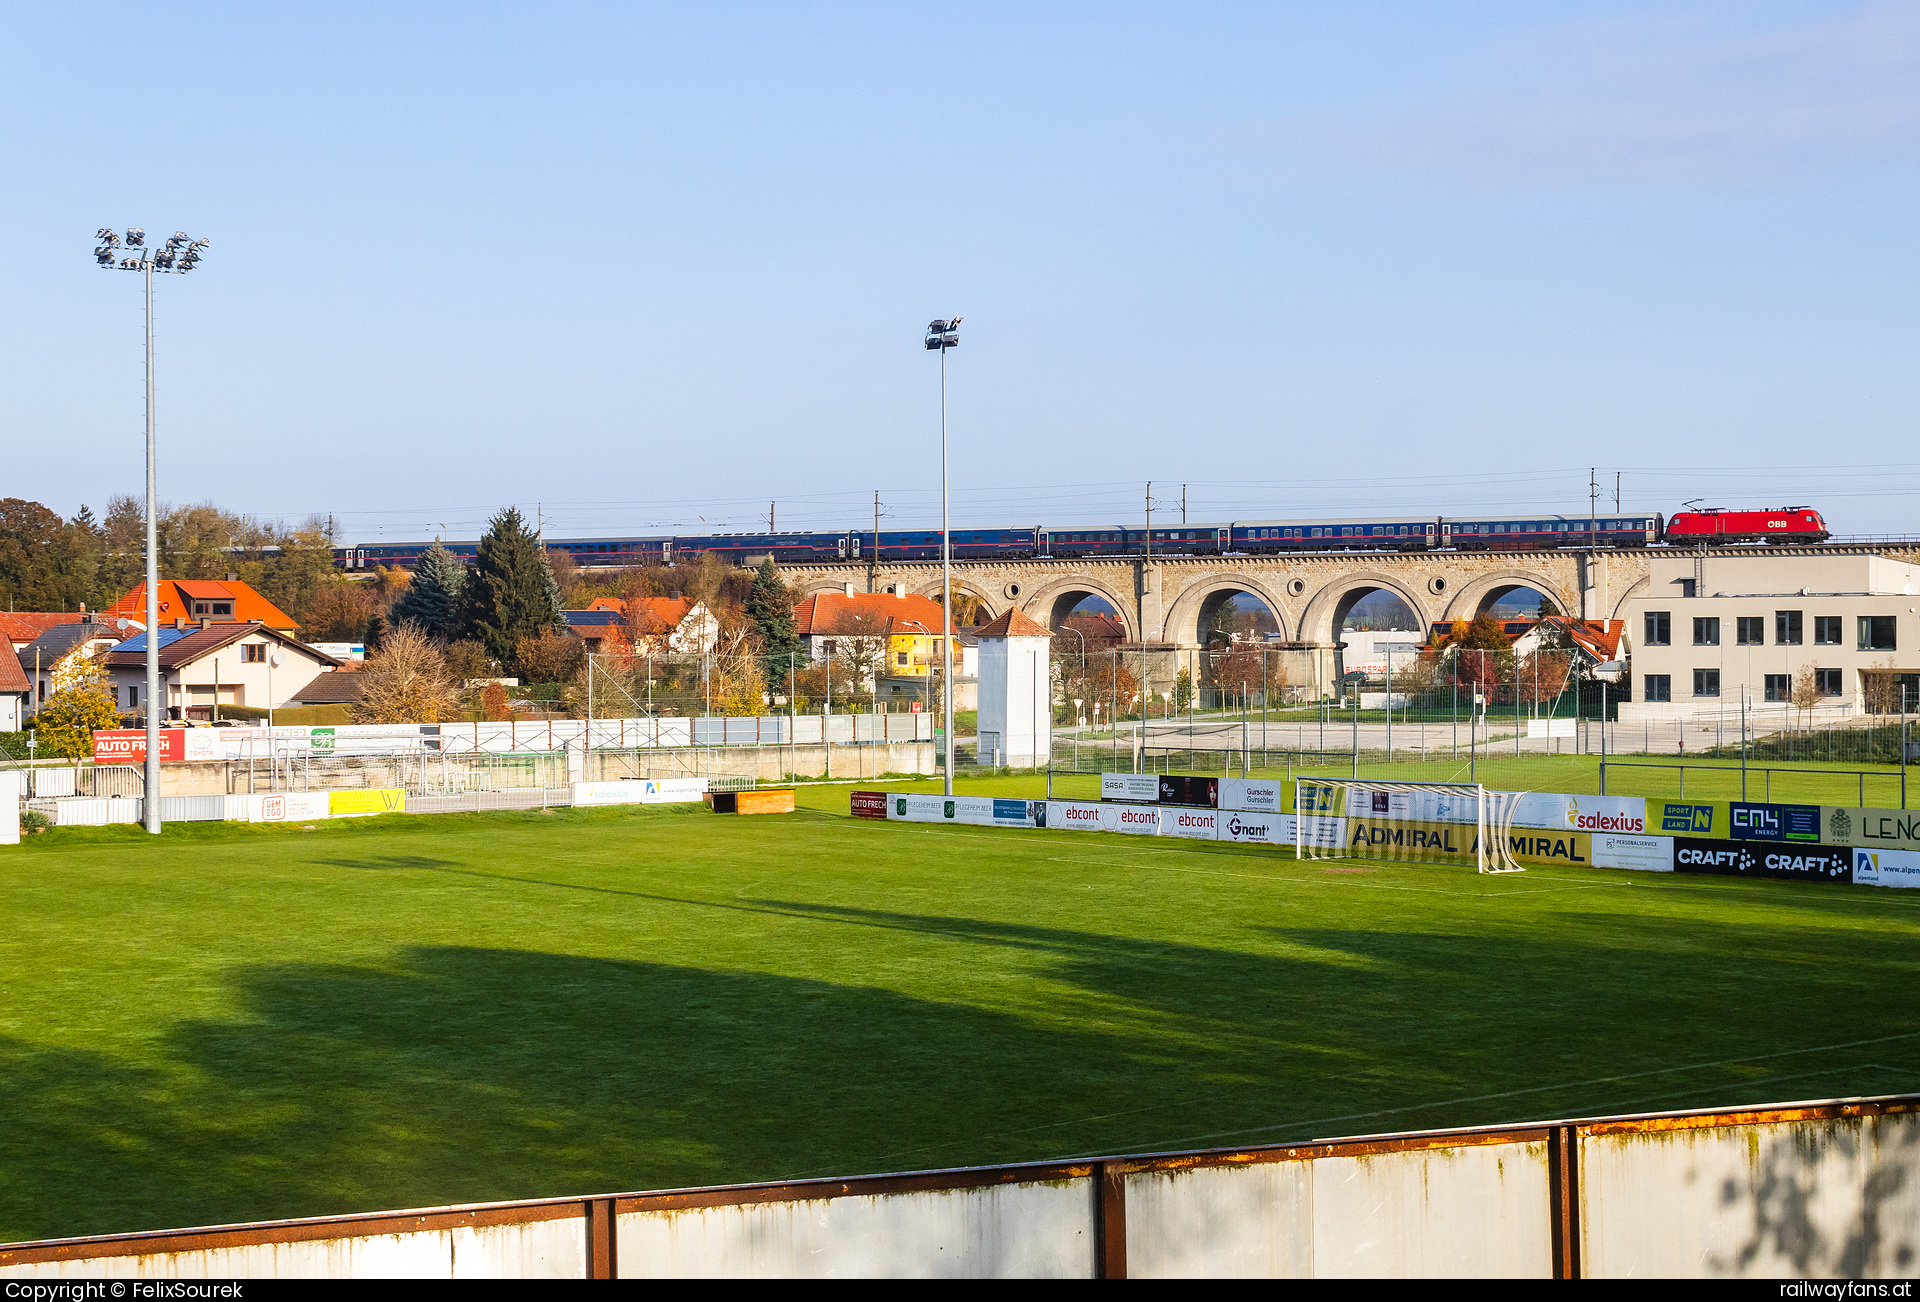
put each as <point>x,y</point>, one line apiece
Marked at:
<point>1825,1189</point>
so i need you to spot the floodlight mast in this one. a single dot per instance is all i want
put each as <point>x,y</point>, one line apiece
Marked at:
<point>179,255</point>
<point>942,335</point>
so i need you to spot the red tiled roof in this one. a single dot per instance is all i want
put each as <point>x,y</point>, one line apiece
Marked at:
<point>1014,624</point>
<point>203,641</point>
<point>824,612</point>
<point>22,626</point>
<point>177,596</point>
<point>12,677</point>
<point>608,603</point>
<point>651,614</point>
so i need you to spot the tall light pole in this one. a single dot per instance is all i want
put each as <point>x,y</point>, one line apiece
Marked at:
<point>179,254</point>
<point>942,335</point>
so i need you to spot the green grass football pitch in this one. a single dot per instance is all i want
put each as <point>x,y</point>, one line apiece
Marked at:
<point>234,1023</point>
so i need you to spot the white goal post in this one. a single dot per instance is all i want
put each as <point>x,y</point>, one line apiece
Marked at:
<point>1415,822</point>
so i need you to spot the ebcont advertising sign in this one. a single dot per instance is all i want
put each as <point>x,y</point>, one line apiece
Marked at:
<point>1201,824</point>
<point>1134,820</point>
<point>129,745</point>
<point>1729,858</point>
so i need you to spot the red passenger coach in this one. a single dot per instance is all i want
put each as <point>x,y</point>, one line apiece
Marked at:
<point>1791,524</point>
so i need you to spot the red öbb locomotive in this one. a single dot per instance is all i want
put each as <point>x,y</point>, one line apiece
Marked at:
<point>1790,524</point>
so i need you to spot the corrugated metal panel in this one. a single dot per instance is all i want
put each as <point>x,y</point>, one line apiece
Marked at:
<point>1041,1230</point>
<point>194,809</point>
<point>1817,1197</point>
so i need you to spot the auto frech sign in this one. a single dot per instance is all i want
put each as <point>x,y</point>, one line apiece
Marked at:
<point>129,745</point>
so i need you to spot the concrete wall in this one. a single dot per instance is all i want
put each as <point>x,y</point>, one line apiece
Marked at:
<point>1813,1190</point>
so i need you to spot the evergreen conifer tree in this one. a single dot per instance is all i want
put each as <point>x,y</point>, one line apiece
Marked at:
<point>771,610</point>
<point>511,592</point>
<point>432,601</point>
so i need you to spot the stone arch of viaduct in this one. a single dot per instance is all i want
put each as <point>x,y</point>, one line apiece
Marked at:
<point>1165,601</point>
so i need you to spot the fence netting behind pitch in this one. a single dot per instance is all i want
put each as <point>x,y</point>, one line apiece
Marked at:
<point>1413,822</point>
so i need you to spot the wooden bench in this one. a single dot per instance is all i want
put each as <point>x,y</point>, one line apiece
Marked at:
<point>774,801</point>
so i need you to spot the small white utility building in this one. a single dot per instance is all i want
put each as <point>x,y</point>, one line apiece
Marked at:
<point>1016,692</point>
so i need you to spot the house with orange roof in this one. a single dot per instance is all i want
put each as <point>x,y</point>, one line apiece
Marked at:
<point>911,628</point>
<point>1594,642</point>
<point>14,690</point>
<point>208,665</point>
<point>191,601</point>
<point>21,627</point>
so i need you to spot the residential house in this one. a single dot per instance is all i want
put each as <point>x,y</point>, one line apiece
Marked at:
<point>20,627</point>
<point>906,625</point>
<point>338,687</point>
<point>602,630</point>
<point>1590,642</point>
<point>669,625</point>
<point>14,689</point>
<point>193,600</point>
<point>53,660</point>
<point>228,663</point>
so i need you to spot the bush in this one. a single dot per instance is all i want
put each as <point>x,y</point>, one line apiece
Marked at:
<point>33,821</point>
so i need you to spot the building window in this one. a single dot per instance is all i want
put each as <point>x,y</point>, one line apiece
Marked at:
<point>1779,687</point>
<point>1828,680</point>
<point>1750,630</point>
<point>1786,627</point>
<point>903,657</point>
<point>1876,633</point>
<point>1659,628</point>
<point>1706,682</point>
<point>133,697</point>
<point>253,653</point>
<point>1659,687</point>
<point>1826,630</point>
<point>1687,589</point>
<point>1706,632</point>
<point>829,646</point>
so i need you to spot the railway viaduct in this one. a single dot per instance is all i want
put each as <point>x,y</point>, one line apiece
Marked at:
<point>1165,602</point>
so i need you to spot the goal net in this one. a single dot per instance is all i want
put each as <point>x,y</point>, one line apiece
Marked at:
<point>1415,822</point>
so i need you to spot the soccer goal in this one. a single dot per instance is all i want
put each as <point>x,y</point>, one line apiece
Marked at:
<point>1422,822</point>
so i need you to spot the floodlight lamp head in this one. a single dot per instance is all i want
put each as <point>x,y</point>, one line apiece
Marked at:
<point>136,238</point>
<point>107,237</point>
<point>103,255</point>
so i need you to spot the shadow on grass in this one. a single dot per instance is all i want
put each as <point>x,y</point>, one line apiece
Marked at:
<point>465,1074</point>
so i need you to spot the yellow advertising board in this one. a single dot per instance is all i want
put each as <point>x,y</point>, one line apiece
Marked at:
<point>374,800</point>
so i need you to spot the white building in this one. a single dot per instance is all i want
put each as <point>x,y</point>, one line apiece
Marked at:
<point>1016,692</point>
<point>201,664</point>
<point>1712,632</point>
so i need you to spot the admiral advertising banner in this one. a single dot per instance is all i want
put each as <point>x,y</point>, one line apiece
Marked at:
<point>976,811</point>
<point>1729,858</point>
<point>1457,840</point>
<point>1886,868</point>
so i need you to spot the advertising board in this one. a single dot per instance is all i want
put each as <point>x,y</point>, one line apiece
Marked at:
<point>1247,827</point>
<point>1180,789</point>
<point>1730,858</point>
<point>1255,795</point>
<point>284,806</point>
<point>372,800</point>
<point>1886,868</point>
<point>1200,824</point>
<point>869,804</point>
<point>1133,820</point>
<point>1681,818</point>
<point>1871,829</point>
<point>1141,787</point>
<point>1653,854</point>
<point>129,745</point>
<point>1748,821</point>
<point>640,791</point>
<point>976,811</point>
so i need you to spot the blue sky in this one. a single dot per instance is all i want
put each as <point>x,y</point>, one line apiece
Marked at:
<point>650,268</point>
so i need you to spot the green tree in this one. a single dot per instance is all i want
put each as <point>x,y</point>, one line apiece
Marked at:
<point>432,601</point>
<point>770,606</point>
<point>32,547</point>
<point>510,594</point>
<point>66,722</point>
